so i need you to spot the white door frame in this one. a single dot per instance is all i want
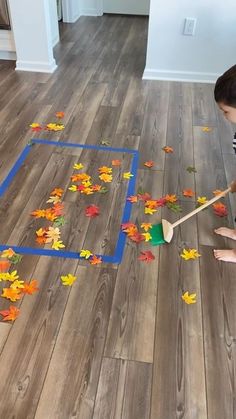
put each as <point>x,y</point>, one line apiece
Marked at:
<point>69,13</point>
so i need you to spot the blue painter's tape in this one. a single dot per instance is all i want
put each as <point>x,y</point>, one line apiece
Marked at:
<point>119,250</point>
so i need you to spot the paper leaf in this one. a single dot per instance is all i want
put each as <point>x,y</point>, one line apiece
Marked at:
<point>217,192</point>
<point>149,211</point>
<point>68,280</point>
<point>146,226</point>
<point>188,193</point>
<point>53,234</point>
<point>11,314</point>
<point>127,175</point>
<point>73,188</point>
<point>4,265</point>
<point>54,199</point>
<point>36,127</point>
<point>133,199</point>
<point>85,254</point>
<point>57,192</point>
<point>16,258</point>
<point>191,169</point>
<point>116,162</point>
<point>105,169</point>
<point>174,207</point>
<point>137,237</point>
<point>78,166</point>
<point>149,163</point>
<point>206,129</point>
<point>220,209</point>
<point>38,213</point>
<point>126,225</point>
<point>8,253</point>
<point>17,284</point>
<point>95,260</point>
<point>60,221</point>
<point>105,142</point>
<point>145,196</point>
<point>60,115</point>
<point>9,276</point>
<point>92,211</point>
<point>151,203</point>
<point>147,236</point>
<point>171,198</point>
<point>190,254</point>
<point>54,127</point>
<point>167,149</point>
<point>11,294</point>
<point>146,256</point>
<point>30,288</point>
<point>57,245</point>
<point>105,177</point>
<point>103,190</point>
<point>201,200</point>
<point>189,298</point>
<point>161,202</point>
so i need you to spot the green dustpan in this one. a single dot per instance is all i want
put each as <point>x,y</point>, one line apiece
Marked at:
<point>157,235</point>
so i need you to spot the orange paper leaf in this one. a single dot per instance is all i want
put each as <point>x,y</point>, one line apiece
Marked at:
<point>188,193</point>
<point>10,314</point>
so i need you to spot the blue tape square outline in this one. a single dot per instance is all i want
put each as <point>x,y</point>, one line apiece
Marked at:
<point>120,245</point>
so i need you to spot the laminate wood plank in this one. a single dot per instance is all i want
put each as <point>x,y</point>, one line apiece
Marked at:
<point>84,332</point>
<point>204,111</point>
<point>218,303</point>
<point>4,332</point>
<point>153,136</point>
<point>124,390</point>
<point>27,353</point>
<point>132,322</point>
<point>178,387</point>
<point>180,137</point>
<point>104,125</point>
<point>132,114</point>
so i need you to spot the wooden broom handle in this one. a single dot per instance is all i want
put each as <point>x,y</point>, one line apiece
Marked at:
<point>201,207</point>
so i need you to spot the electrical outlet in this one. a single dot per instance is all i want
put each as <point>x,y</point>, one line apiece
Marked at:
<point>189,25</point>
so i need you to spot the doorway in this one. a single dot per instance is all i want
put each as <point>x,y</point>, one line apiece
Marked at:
<point>127,7</point>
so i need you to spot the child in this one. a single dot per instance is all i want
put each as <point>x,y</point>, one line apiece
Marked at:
<point>225,96</point>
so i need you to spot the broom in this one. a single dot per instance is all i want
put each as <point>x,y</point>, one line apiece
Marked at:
<point>163,232</point>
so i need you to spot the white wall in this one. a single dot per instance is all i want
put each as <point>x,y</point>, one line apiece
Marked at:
<point>203,57</point>
<point>91,7</point>
<point>54,21</point>
<point>71,10</point>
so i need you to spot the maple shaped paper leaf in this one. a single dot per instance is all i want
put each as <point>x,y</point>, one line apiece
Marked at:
<point>36,127</point>
<point>92,211</point>
<point>60,221</point>
<point>85,254</point>
<point>146,256</point>
<point>57,245</point>
<point>78,166</point>
<point>220,209</point>
<point>54,127</point>
<point>96,188</point>
<point>8,253</point>
<point>174,207</point>
<point>95,260</point>
<point>217,192</point>
<point>190,254</point>
<point>17,284</point>
<point>116,162</point>
<point>206,129</point>
<point>147,236</point>
<point>54,199</point>
<point>167,149</point>
<point>11,314</point>
<point>171,198</point>
<point>60,115</point>
<point>9,276</point>
<point>130,231</point>
<point>86,183</point>
<point>16,258</point>
<point>11,294</point>
<point>191,169</point>
<point>149,211</point>
<point>144,196</point>
<point>58,208</point>
<point>50,214</point>
<point>149,163</point>
<point>126,225</point>
<point>137,237</point>
<point>4,265</point>
<point>105,177</point>
<point>68,280</point>
<point>53,234</point>
<point>146,226</point>
<point>105,142</point>
<point>30,288</point>
<point>57,192</point>
<point>73,188</point>
<point>87,191</point>
<point>189,298</point>
<point>201,200</point>
<point>188,193</point>
<point>127,175</point>
<point>161,202</point>
<point>38,213</point>
<point>133,199</point>
<point>151,203</point>
<point>105,169</point>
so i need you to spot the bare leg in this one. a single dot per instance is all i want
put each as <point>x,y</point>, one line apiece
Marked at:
<point>226,232</point>
<point>228,255</point>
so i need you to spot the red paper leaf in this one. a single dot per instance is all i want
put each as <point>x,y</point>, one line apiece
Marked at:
<point>92,211</point>
<point>149,163</point>
<point>144,197</point>
<point>146,256</point>
<point>137,237</point>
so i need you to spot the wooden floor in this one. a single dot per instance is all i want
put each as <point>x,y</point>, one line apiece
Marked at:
<point>119,343</point>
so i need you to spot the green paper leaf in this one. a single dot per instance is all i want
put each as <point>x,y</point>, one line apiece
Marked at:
<point>60,221</point>
<point>174,207</point>
<point>103,190</point>
<point>15,259</point>
<point>105,142</point>
<point>191,169</point>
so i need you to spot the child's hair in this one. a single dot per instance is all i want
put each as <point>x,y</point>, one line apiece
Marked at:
<point>225,88</point>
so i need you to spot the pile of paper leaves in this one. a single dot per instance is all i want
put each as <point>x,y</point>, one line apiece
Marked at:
<point>51,126</point>
<point>15,288</point>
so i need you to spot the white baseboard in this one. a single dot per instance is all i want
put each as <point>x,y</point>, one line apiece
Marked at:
<point>34,66</point>
<point>184,76</point>
<point>55,40</point>
<point>90,12</point>
<point>7,45</point>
